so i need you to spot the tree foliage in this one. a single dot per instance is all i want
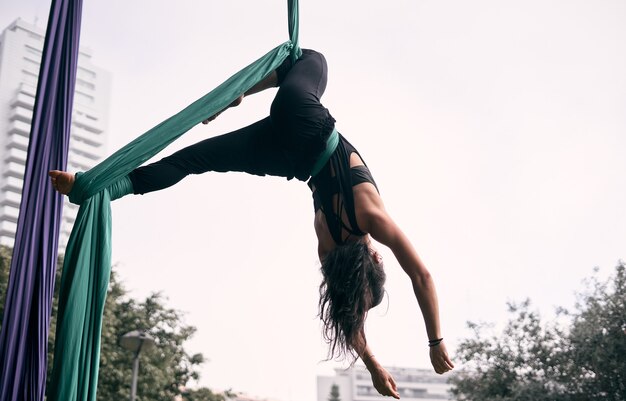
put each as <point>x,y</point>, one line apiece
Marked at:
<point>597,339</point>
<point>536,361</point>
<point>166,369</point>
<point>164,372</point>
<point>204,394</point>
<point>5,264</point>
<point>334,393</point>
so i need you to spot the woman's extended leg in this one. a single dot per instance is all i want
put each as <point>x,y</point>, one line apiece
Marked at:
<point>174,168</point>
<point>297,107</point>
<point>284,144</point>
<point>251,150</point>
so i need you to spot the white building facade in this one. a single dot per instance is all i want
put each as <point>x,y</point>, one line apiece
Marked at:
<point>245,397</point>
<point>355,384</point>
<point>21,46</point>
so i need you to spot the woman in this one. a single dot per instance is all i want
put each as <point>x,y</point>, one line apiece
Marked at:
<point>299,140</point>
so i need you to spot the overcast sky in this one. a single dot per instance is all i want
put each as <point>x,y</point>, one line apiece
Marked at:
<point>496,131</point>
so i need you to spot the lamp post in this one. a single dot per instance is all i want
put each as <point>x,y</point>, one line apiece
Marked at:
<point>135,341</point>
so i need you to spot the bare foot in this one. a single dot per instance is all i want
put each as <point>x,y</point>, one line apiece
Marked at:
<point>235,103</point>
<point>62,181</point>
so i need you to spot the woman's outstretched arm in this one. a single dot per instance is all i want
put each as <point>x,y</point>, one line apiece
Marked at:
<point>384,230</point>
<point>381,379</point>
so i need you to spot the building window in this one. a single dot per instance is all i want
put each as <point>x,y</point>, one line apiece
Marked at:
<point>8,226</point>
<point>366,390</point>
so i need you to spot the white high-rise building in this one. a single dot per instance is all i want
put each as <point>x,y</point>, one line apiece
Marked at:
<point>355,384</point>
<point>21,46</point>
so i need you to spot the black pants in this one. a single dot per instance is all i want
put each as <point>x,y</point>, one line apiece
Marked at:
<point>285,144</point>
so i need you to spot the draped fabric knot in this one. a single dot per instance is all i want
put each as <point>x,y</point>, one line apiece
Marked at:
<point>118,189</point>
<point>294,29</point>
<point>77,195</point>
<point>294,51</point>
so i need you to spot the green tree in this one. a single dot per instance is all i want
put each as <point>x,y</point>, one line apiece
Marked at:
<point>164,372</point>
<point>204,394</point>
<point>596,346</point>
<point>531,360</point>
<point>5,264</point>
<point>334,393</point>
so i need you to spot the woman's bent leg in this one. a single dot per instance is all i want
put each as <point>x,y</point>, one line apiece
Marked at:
<point>251,150</point>
<point>302,122</point>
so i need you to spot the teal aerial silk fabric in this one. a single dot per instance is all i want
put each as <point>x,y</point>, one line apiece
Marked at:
<point>87,265</point>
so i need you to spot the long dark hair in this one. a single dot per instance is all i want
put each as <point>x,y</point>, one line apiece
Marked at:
<point>353,280</point>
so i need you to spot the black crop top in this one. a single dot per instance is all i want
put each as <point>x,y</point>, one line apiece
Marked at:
<point>358,175</point>
<point>327,185</point>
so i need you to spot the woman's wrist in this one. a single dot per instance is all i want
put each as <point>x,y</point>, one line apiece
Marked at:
<point>435,342</point>
<point>370,362</point>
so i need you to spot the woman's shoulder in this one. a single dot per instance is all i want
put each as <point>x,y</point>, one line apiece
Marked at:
<point>368,205</point>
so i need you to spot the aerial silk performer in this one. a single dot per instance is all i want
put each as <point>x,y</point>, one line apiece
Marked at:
<point>297,140</point>
<point>24,335</point>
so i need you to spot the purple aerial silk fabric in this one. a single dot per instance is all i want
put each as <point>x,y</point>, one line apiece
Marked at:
<point>24,335</point>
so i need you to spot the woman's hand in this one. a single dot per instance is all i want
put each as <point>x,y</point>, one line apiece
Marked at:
<point>235,103</point>
<point>383,382</point>
<point>439,358</point>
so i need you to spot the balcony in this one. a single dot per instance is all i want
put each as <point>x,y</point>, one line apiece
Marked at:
<point>84,149</point>
<point>7,239</point>
<point>24,100</point>
<point>12,184</point>
<point>14,170</point>
<point>69,215</point>
<point>11,199</point>
<point>81,162</point>
<point>71,206</point>
<point>21,114</point>
<point>17,142</point>
<point>8,226</point>
<point>88,124</point>
<point>20,128</point>
<point>63,238</point>
<point>9,213</point>
<point>29,90</point>
<point>88,137</point>
<point>16,155</point>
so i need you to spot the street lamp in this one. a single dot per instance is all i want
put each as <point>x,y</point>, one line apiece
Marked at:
<point>135,341</point>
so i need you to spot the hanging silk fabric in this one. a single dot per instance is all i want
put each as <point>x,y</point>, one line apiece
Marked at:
<point>88,255</point>
<point>24,336</point>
